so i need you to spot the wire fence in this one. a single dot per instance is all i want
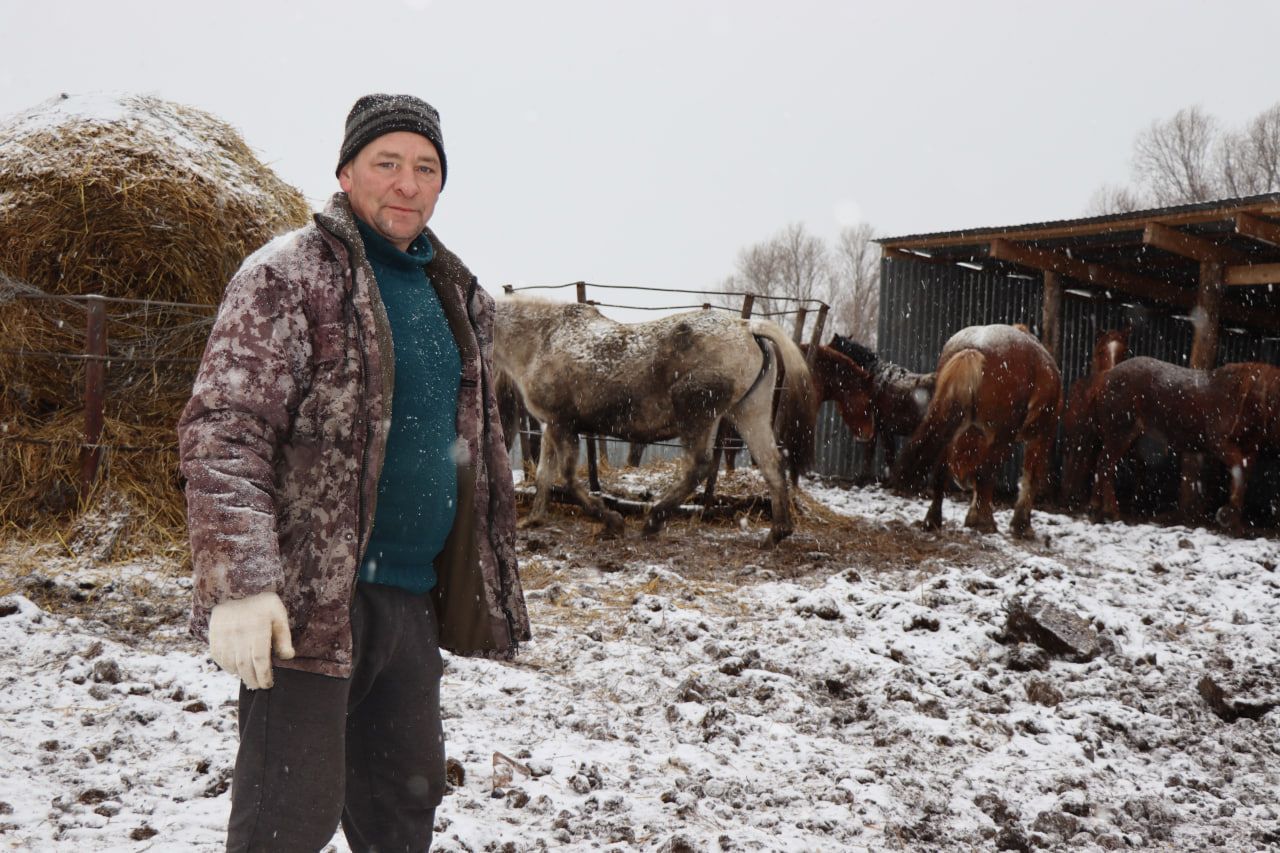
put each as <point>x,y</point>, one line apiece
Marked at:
<point>146,344</point>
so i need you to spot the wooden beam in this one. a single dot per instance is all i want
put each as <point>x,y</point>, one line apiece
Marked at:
<point>1126,282</point>
<point>1246,274</point>
<point>1136,285</point>
<point>1187,245</point>
<point>1081,228</point>
<point>1257,228</point>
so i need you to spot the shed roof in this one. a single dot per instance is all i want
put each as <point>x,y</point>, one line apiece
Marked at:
<point>1153,255</point>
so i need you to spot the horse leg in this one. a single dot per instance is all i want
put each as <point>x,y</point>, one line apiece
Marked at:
<point>1035,464</point>
<point>697,466</point>
<point>889,442</point>
<point>937,484</point>
<point>1103,506</point>
<point>566,454</point>
<point>544,480</point>
<point>865,469</point>
<point>755,425</point>
<point>635,453</point>
<point>1231,515</point>
<point>981,516</point>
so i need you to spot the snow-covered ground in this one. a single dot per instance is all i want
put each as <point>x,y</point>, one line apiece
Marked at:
<point>857,707</point>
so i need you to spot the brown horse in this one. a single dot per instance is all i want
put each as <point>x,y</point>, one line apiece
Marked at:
<point>899,400</point>
<point>676,377</point>
<point>838,378</point>
<point>995,385</point>
<point>1231,413</point>
<point>1081,441</point>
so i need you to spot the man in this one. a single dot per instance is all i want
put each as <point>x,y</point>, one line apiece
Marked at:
<point>350,500</point>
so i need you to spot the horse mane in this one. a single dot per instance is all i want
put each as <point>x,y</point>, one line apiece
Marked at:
<point>862,355</point>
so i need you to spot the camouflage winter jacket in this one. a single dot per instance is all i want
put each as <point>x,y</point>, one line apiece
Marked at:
<point>283,439</point>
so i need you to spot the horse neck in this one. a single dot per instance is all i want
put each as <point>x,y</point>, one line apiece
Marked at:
<point>893,379</point>
<point>525,328</point>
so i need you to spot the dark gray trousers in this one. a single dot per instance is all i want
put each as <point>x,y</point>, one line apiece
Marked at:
<point>366,750</point>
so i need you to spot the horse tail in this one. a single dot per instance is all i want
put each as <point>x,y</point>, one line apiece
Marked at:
<point>954,397</point>
<point>508,405</point>
<point>797,420</point>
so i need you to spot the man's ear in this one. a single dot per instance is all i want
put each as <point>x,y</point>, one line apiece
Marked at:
<point>344,177</point>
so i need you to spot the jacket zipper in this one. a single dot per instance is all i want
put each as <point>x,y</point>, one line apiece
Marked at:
<point>364,408</point>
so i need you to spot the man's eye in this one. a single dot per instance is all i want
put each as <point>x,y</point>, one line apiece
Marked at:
<point>427,170</point>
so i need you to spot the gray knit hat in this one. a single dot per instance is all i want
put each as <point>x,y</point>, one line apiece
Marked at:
<point>374,115</point>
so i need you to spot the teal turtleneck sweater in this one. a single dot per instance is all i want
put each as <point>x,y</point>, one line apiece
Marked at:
<point>418,491</point>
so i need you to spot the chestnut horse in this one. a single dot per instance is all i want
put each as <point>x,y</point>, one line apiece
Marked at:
<point>995,385</point>
<point>1081,441</point>
<point>1231,413</point>
<point>838,378</point>
<point>580,372</point>
<point>899,401</point>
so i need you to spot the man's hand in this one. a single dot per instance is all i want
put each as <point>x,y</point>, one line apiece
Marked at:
<point>242,633</point>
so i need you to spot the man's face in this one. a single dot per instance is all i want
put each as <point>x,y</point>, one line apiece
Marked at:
<point>393,184</point>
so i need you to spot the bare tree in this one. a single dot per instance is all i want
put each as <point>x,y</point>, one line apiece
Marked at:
<point>1249,160</point>
<point>793,263</point>
<point>1115,199</point>
<point>797,265</point>
<point>1173,159</point>
<point>1190,158</point>
<point>855,284</point>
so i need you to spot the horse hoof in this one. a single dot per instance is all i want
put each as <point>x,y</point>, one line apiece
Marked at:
<point>931,523</point>
<point>773,537</point>
<point>529,522</point>
<point>1228,519</point>
<point>1021,531</point>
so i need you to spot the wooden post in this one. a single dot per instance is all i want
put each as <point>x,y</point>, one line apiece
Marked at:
<point>815,340</point>
<point>1206,318</point>
<point>797,334</point>
<point>94,392</point>
<point>593,466</point>
<point>1051,316</point>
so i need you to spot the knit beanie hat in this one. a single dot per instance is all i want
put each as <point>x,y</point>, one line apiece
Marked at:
<point>375,115</point>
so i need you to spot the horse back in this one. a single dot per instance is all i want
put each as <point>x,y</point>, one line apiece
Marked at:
<point>1147,395</point>
<point>1020,387</point>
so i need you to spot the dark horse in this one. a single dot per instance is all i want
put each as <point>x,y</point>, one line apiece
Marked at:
<point>995,385</point>
<point>1231,413</point>
<point>580,372</point>
<point>899,400</point>
<point>1080,438</point>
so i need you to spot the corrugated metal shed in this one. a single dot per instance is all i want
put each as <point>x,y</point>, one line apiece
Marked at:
<point>1142,269</point>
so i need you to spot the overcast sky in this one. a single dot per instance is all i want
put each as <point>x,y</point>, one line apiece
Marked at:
<point>646,143</point>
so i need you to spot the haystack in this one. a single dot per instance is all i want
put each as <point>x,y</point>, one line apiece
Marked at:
<point>144,201</point>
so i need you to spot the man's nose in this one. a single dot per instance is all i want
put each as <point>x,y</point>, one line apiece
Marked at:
<point>406,184</point>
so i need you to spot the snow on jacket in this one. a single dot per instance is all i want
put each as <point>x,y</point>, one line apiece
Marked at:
<point>283,439</point>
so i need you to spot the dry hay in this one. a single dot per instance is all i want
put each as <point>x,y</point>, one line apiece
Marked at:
<point>131,198</point>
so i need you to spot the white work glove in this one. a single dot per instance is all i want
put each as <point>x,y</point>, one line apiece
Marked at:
<point>243,631</point>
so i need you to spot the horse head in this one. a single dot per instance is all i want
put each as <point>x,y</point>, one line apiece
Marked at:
<point>842,380</point>
<point>862,355</point>
<point>1109,349</point>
